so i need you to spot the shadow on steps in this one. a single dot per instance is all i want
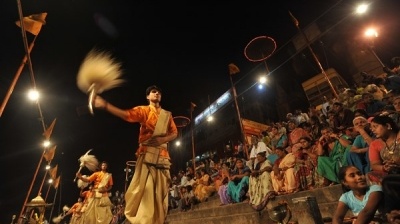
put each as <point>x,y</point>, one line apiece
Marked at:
<point>211,212</point>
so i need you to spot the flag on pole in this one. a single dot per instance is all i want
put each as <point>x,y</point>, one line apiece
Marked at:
<point>53,172</point>
<point>56,182</point>
<point>192,106</point>
<point>33,23</point>
<point>49,130</point>
<point>233,69</point>
<point>295,21</point>
<point>49,154</point>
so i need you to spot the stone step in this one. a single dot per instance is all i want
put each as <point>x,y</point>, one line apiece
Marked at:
<point>210,212</point>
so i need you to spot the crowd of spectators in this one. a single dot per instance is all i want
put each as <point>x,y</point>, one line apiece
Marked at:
<point>358,128</point>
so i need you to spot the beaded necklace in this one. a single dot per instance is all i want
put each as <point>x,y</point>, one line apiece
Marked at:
<point>392,147</point>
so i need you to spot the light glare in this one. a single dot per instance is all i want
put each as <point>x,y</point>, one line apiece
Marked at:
<point>46,143</point>
<point>33,95</point>
<point>362,8</point>
<point>263,80</point>
<point>371,32</point>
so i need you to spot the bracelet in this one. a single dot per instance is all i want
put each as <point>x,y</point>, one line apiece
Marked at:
<point>383,168</point>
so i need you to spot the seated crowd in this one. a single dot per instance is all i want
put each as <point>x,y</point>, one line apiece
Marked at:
<point>353,140</point>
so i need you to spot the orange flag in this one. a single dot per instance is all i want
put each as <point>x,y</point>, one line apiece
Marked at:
<point>192,106</point>
<point>295,21</point>
<point>53,172</point>
<point>33,23</point>
<point>49,130</point>
<point>233,69</point>
<point>56,182</point>
<point>49,154</point>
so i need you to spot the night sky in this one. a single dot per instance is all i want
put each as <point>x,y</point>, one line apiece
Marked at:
<point>184,48</point>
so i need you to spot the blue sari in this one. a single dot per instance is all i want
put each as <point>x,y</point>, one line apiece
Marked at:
<point>238,188</point>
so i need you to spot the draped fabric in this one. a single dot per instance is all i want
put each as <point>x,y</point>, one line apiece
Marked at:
<point>223,194</point>
<point>260,188</point>
<point>98,210</point>
<point>147,195</point>
<point>328,166</point>
<point>238,188</point>
<point>76,213</point>
<point>306,171</point>
<point>203,191</point>
<point>288,183</point>
<point>294,137</point>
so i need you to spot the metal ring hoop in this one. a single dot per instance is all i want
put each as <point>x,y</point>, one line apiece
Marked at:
<point>265,45</point>
<point>184,121</point>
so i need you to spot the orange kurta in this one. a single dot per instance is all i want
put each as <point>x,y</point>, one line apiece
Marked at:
<point>98,210</point>
<point>147,195</point>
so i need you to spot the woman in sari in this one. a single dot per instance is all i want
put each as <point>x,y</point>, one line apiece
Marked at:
<point>203,188</point>
<point>384,153</point>
<point>282,174</point>
<point>332,153</point>
<point>279,139</point>
<point>260,183</point>
<point>238,184</point>
<point>295,133</point>
<point>221,184</point>
<point>306,172</point>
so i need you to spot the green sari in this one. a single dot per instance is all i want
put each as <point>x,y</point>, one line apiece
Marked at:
<point>328,166</point>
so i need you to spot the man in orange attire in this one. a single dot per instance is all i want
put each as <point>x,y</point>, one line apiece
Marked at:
<point>147,196</point>
<point>99,209</point>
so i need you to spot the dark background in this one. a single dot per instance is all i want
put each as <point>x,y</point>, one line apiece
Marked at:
<point>184,48</point>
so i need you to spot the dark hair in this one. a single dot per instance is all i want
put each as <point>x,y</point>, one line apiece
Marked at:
<point>338,103</point>
<point>384,120</point>
<point>105,163</point>
<point>150,88</point>
<point>363,112</point>
<point>308,139</point>
<point>342,176</point>
<point>264,133</point>
<point>281,148</point>
<point>262,153</point>
<point>395,61</point>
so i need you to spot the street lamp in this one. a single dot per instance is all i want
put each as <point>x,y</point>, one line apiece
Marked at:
<point>371,34</point>
<point>262,81</point>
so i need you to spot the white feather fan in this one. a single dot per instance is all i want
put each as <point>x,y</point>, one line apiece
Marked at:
<point>89,161</point>
<point>82,184</point>
<point>100,70</point>
<point>58,219</point>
